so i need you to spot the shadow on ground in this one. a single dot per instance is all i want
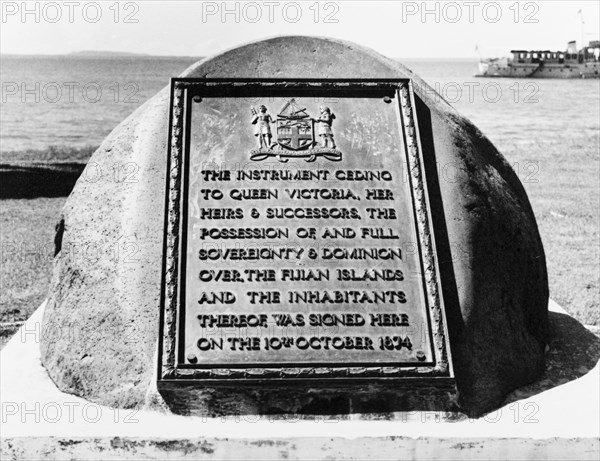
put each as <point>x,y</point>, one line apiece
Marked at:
<point>572,352</point>
<point>32,180</point>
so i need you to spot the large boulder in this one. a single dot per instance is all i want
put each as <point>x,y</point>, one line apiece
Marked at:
<point>101,322</point>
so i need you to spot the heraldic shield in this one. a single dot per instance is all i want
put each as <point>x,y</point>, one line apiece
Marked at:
<point>295,128</point>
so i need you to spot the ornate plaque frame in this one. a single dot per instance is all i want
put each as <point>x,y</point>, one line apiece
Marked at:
<point>183,91</point>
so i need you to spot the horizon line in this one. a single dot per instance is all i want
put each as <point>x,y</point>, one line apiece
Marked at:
<point>123,54</point>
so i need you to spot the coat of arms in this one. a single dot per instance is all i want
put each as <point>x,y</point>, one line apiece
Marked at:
<point>295,128</point>
<point>295,134</point>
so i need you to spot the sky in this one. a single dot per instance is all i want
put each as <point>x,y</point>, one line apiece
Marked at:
<point>412,29</point>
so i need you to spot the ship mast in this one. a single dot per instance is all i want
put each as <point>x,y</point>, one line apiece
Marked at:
<point>580,13</point>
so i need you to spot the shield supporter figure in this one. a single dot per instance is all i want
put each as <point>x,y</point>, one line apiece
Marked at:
<point>263,121</point>
<point>325,121</point>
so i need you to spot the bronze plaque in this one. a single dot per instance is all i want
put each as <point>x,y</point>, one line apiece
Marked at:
<point>297,235</point>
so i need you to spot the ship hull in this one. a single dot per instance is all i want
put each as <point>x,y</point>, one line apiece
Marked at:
<point>589,70</point>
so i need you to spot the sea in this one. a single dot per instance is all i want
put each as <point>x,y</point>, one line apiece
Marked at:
<point>75,101</point>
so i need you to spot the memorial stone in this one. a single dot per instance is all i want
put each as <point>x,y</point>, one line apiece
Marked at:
<point>316,257</point>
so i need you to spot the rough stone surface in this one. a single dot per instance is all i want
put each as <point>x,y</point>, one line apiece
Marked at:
<point>102,314</point>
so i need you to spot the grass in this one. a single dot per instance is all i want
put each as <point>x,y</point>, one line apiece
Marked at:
<point>561,179</point>
<point>27,240</point>
<point>563,184</point>
<point>27,230</point>
<point>27,253</point>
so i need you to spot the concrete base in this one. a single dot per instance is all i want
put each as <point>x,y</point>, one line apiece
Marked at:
<point>555,418</point>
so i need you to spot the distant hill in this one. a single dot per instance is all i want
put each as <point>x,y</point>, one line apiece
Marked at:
<point>104,53</point>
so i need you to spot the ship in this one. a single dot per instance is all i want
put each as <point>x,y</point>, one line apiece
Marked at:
<point>572,63</point>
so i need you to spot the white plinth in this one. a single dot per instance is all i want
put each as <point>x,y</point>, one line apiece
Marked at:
<point>39,421</point>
